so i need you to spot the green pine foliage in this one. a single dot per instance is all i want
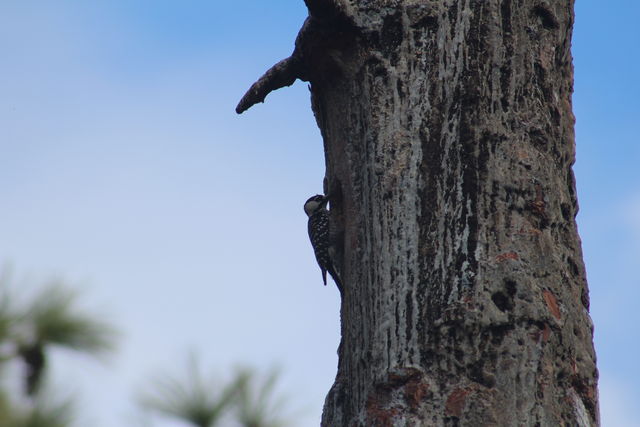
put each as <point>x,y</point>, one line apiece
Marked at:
<point>28,330</point>
<point>257,403</point>
<point>200,401</point>
<point>195,399</point>
<point>52,318</point>
<point>56,321</point>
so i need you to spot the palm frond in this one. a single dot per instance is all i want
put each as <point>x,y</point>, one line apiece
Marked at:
<point>7,411</point>
<point>7,317</point>
<point>56,320</point>
<point>257,405</point>
<point>191,398</point>
<point>44,413</point>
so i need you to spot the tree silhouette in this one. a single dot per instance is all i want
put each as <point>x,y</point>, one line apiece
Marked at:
<point>257,405</point>
<point>203,401</point>
<point>195,399</point>
<point>51,318</point>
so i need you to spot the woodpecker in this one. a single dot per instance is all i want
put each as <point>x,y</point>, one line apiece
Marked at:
<point>320,235</point>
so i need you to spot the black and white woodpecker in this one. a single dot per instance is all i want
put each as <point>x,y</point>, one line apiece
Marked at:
<point>320,234</point>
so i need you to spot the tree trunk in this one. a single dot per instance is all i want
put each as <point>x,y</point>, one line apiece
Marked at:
<point>449,141</point>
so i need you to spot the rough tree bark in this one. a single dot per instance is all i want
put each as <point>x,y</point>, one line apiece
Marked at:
<point>449,141</point>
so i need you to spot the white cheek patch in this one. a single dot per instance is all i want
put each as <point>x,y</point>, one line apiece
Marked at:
<point>310,207</point>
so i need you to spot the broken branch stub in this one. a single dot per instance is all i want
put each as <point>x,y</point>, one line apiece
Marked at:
<point>284,73</point>
<point>321,32</point>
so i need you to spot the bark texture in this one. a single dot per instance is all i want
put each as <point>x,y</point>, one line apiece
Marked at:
<point>448,133</point>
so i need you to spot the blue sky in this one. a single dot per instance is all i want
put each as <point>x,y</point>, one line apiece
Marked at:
<point>124,169</point>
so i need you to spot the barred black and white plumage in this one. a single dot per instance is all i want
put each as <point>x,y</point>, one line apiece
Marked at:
<point>319,227</point>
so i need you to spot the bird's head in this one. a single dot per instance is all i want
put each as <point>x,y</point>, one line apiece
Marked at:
<point>315,203</point>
